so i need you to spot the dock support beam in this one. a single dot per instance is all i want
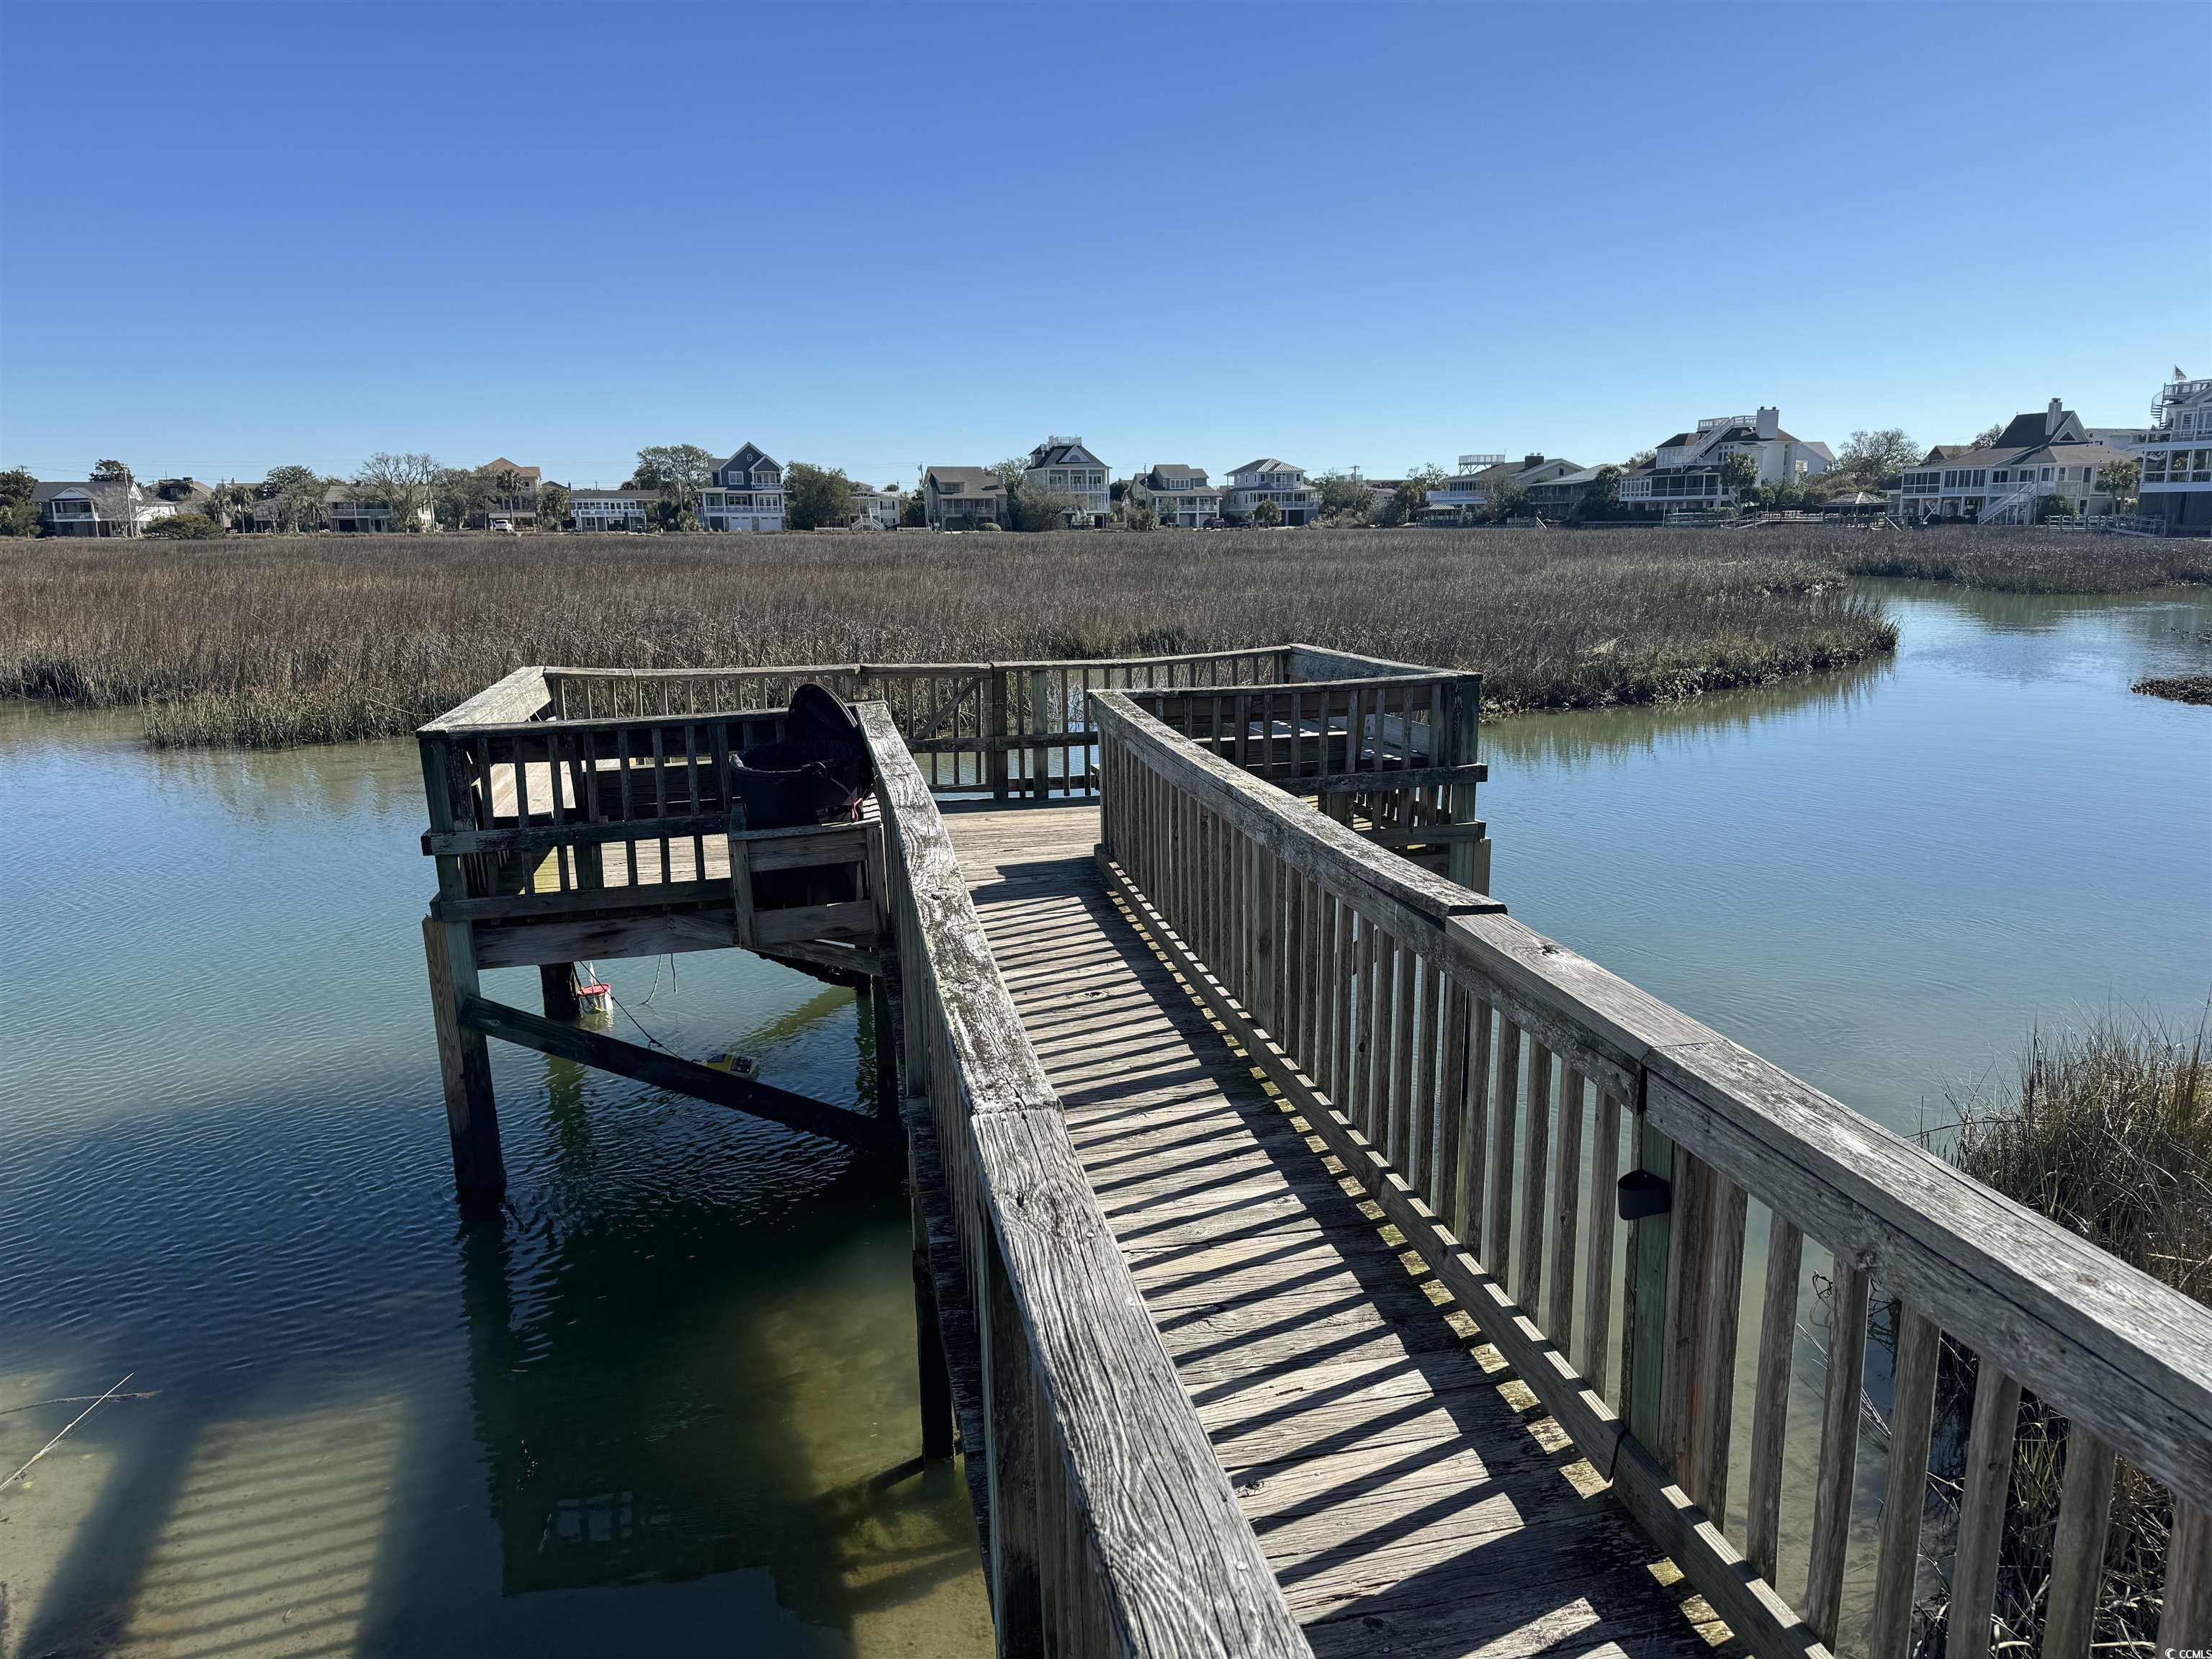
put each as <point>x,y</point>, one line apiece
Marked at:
<point>464,1067</point>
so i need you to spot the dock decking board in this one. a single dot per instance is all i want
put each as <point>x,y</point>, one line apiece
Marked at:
<point>1392,1468</point>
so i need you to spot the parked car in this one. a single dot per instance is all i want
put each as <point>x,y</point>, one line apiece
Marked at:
<point>502,527</point>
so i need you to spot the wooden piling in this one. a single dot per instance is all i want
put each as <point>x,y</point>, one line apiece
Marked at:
<point>935,1379</point>
<point>557,988</point>
<point>464,1067</point>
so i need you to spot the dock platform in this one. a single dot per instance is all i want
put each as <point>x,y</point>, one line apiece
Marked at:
<point>1309,1258</point>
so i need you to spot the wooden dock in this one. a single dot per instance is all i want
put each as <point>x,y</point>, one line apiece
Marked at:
<point>1309,1258</point>
<point>1393,1468</point>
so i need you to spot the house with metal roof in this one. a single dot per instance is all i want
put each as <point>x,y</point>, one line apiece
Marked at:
<point>1180,495</point>
<point>747,493</point>
<point>1063,466</point>
<point>2038,455</point>
<point>1685,470</point>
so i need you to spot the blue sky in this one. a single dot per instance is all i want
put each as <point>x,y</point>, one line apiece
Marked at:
<point>1364,234</point>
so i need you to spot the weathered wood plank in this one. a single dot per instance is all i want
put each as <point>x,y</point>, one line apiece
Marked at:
<point>671,1072</point>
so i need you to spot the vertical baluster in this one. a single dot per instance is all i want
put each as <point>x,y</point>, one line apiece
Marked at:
<point>628,806</point>
<point>1420,1153</point>
<point>2185,1624</point>
<point>1913,1417</point>
<point>1504,1112</point>
<point>1381,956</point>
<point>1315,1057</point>
<point>1566,1212</point>
<point>660,791</point>
<point>1981,1511</point>
<point>1839,1449</point>
<point>1528,1283</point>
<point>1716,1346</point>
<point>2077,1549</point>
<point>1597,1293</point>
<point>1344,957</point>
<point>1474,1172</point>
<point>1687,1282</point>
<point>1405,997</point>
<point>1770,1417</point>
<point>1445,1192</point>
<point>692,793</point>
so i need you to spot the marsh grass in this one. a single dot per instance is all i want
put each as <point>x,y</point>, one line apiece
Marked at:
<point>2030,561</point>
<point>323,639</point>
<point>2108,1131</point>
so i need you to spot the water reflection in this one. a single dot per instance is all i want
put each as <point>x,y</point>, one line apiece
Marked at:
<point>1575,737</point>
<point>671,1405</point>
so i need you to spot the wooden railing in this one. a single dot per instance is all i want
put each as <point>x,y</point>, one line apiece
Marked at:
<point>1002,728</point>
<point>1393,754</point>
<point>1005,729</point>
<point>1488,1087</point>
<point>563,795</point>
<point>529,816</point>
<point>1109,1528</point>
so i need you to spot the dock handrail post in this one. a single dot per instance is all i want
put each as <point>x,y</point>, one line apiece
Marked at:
<point>1468,862</point>
<point>995,678</point>
<point>1643,1311</point>
<point>1040,708</point>
<point>935,1380</point>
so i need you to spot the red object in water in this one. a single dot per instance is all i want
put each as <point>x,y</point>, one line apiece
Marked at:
<point>594,989</point>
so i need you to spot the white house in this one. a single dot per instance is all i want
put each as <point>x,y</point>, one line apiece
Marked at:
<point>1685,470</point>
<point>1480,477</point>
<point>113,507</point>
<point>879,508</point>
<point>611,509</point>
<point>746,493</point>
<point>1270,480</point>
<point>1180,495</point>
<point>346,514</point>
<point>1063,466</point>
<point>2043,453</point>
<point>2176,453</point>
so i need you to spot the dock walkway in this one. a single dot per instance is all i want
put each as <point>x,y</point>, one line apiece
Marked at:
<point>1410,1495</point>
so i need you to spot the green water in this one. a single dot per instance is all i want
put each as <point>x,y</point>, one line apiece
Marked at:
<point>670,1406</point>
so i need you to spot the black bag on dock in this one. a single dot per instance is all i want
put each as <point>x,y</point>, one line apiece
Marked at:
<point>816,773</point>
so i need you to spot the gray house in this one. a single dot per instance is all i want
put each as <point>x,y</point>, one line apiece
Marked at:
<point>962,497</point>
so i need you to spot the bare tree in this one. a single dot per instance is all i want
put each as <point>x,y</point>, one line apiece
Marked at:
<point>401,482</point>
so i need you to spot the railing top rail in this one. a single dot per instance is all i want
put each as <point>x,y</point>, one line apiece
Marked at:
<point>2108,1346</point>
<point>516,697</point>
<point>1184,1572</point>
<point>774,670</point>
<point>1431,676</point>
<point>524,695</point>
<point>1410,900</point>
<point>1352,665</point>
